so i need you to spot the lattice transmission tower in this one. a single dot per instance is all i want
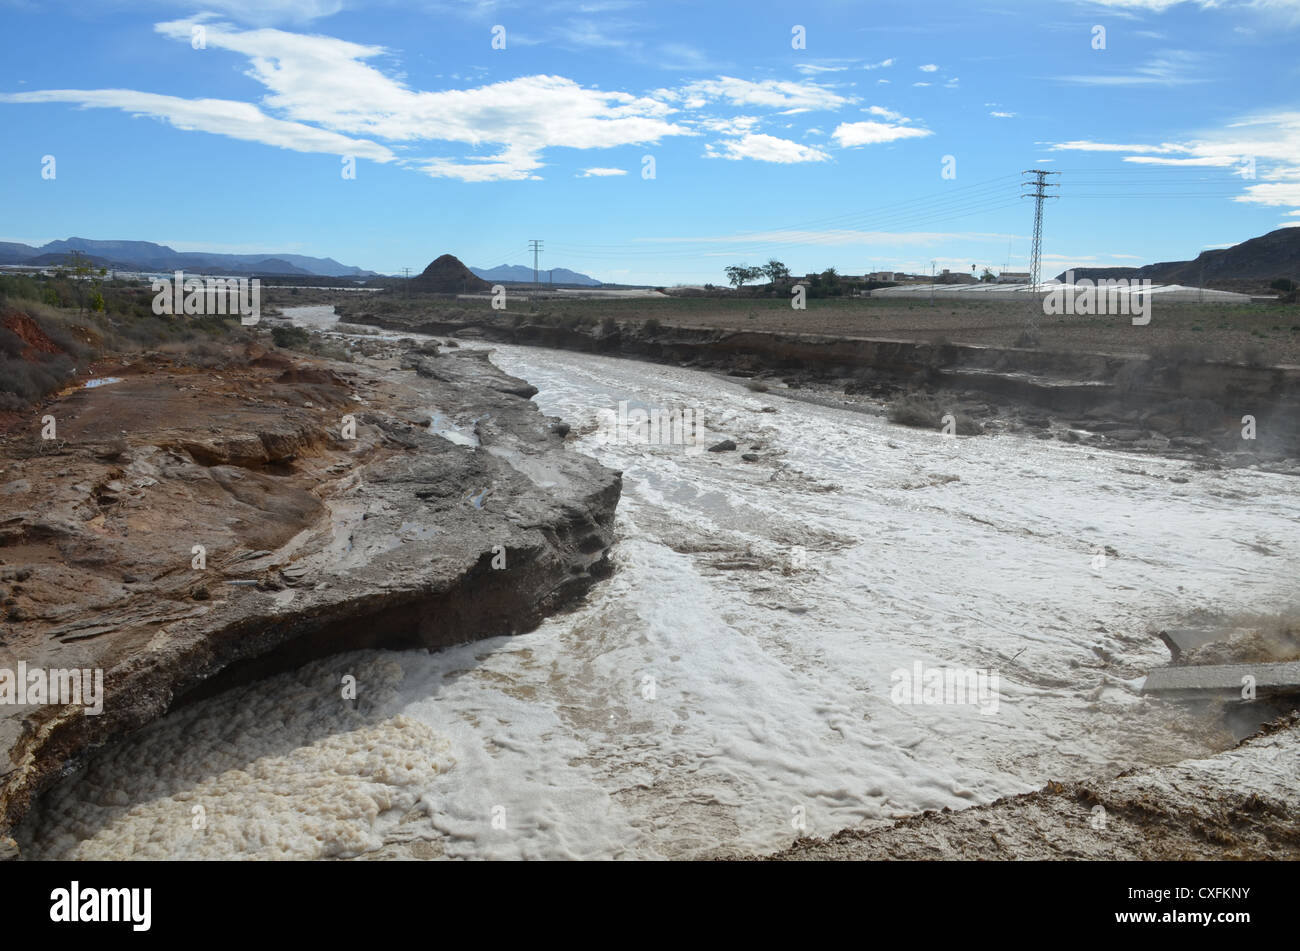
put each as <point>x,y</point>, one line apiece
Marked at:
<point>1039,190</point>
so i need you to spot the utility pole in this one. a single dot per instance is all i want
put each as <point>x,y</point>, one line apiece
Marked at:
<point>406,286</point>
<point>1039,192</point>
<point>535,245</point>
<point>931,283</point>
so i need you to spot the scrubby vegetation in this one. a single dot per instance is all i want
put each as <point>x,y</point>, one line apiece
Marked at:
<point>52,326</point>
<point>925,412</point>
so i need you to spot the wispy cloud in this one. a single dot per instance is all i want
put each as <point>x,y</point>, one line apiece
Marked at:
<point>1262,150</point>
<point>1286,12</point>
<point>1170,68</point>
<point>788,96</point>
<point>238,120</point>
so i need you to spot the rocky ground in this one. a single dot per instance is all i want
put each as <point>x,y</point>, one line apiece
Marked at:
<point>187,529</point>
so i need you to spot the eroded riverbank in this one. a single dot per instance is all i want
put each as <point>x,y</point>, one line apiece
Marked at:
<point>190,530</point>
<point>734,673</point>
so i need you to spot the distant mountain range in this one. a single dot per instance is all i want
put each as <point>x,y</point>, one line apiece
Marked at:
<point>1266,258</point>
<point>147,256</point>
<point>524,275</point>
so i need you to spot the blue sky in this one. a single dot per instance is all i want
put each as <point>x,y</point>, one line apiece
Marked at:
<point>1181,134</point>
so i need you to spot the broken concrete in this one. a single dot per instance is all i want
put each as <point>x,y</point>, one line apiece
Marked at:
<point>1224,680</point>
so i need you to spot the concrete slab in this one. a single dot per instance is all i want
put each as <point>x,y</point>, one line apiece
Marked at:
<point>1190,638</point>
<point>1223,679</point>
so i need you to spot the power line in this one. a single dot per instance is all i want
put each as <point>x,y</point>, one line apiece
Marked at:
<point>536,246</point>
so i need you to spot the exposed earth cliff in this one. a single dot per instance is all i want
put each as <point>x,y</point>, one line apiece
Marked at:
<point>185,530</point>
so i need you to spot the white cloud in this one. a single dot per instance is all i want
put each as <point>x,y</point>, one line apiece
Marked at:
<point>1271,194</point>
<point>326,91</point>
<point>1085,145</point>
<point>770,93</point>
<point>765,148</point>
<point>884,113</point>
<point>602,172</point>
<point>929,68</point>
<point>850,134</point>
<point>883,64</point>
<point>735,125</point>
<point>266,12</point>
<point>238,120</point>
<point>1003,115</point>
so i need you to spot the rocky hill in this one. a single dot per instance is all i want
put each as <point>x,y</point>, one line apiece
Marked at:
<point>519,274</point>
<point>447,275</point>
<point>1259,261</point>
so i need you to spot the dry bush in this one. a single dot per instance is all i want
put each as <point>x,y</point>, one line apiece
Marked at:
<point>924,412</point>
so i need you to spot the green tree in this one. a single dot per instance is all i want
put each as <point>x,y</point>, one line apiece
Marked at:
<point>776,271</point>
<point>86,280</point>
<point>739,274</point>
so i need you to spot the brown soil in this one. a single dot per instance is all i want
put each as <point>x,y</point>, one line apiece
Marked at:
<point>30,333</point>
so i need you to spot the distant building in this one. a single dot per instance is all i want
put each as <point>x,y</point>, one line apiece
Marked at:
<point>880,276</point>
<point>955,277</point>
<point>1013,277</point>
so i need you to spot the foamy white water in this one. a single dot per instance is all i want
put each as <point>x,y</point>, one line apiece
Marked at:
<point>710,694</point>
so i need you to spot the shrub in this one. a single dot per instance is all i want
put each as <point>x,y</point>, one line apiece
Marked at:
<point>1179,354</point>
<point>1254,355</point>
<point>25,381</point>
<point>651,326</point>
<point>290,338</point>
<point>923,412</point>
